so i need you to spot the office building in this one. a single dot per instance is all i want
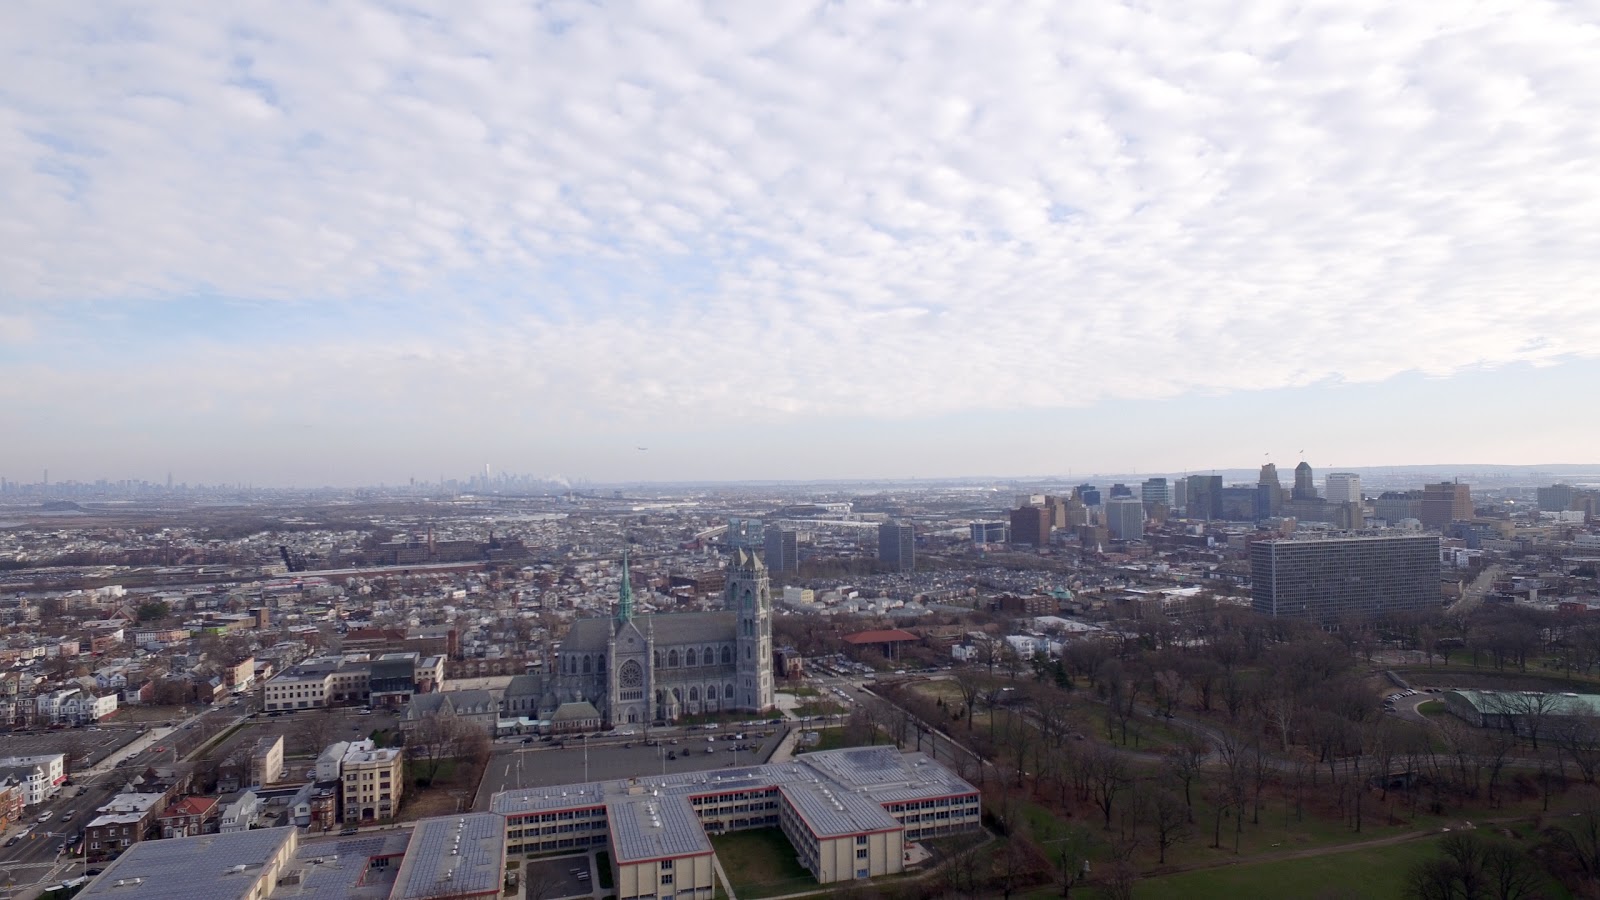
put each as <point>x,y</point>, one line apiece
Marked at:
<point>1088,493</point>
<point>1397,506</point>
<point>1156,492</point>
<point>1120,490</point>
<point>1305,484</point>
<point>990,532</point>
<point>1445,502</point>
<point>745,533</point>
<point>1343,487</point>
<point>1330,579</point>
<point>1556,497</point>
<point>1205,497</point>
<point>1125,518</point>
<point>897,546</point>
<point>1030,525</point>
<point>783,550</point>
<point>1269,489</point>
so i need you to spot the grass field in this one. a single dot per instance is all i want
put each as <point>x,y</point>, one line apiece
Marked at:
<point>761,863</point>
<point>1376,873</point>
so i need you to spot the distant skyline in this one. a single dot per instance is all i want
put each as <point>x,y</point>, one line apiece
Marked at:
<point>307,244</point>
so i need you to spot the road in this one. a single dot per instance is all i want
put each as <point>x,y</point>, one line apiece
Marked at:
<point>36,860</point>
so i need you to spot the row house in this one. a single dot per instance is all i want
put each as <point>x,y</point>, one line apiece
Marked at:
<point>189,817</point>
<point>11,802</point>
<point>88,708</point>
<point>41,776</point>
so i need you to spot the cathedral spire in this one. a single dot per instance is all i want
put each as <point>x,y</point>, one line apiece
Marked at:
<point>625,596</point>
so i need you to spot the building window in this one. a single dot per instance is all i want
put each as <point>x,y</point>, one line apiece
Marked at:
<point>860,839</point>
<point>862,853</point>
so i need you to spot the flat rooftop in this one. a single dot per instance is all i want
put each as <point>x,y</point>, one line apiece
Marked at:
<point>836,792</point>
<point>208,867</point>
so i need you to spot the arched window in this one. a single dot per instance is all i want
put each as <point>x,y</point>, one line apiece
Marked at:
<point>727,691</point>
<point>677,694</point>
<point>746,651</point>
<point>672,659</point>
<point>688,657</point>
<point>658,659</point>
<point>694,695</point>
<point>727,656</point>
<point>711,692</point>
<point>600,664</point>
<point>588,664</point>
<point>709,656</point>
<point>661,696</point>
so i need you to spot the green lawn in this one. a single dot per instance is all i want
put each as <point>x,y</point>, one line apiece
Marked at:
<point>1431,708</point>
<point>1377,873</point>
<point>761,863</point>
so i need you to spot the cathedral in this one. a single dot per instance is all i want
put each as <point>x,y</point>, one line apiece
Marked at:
<point>642,669</point>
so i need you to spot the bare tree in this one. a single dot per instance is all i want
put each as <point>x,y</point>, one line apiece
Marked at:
<point>314,730</point>
<point>1168,817</point>
<point>1108,777</point>
<point>1183,766</point>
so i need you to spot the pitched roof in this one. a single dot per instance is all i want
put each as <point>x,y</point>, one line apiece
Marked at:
<point>881,636</point>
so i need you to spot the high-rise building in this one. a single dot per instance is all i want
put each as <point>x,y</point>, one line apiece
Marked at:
<point>1030,525</point>
<point>1305,485</point>
<point>745,534</point>
<point>1343,487</point>
<point>1125,518</point>
<point>1121,490</point>
<point>1180,493</point>
<point>1445,502</point>
<point>1396,506</point>
<point>1205,497</point>
<point>897,545</point>
<point>1556,497</point>
<point>989,532</point>
<point>783,550</point>
<point>1155,491</point>
<point>1329,579</point>
<point>1088,493</point>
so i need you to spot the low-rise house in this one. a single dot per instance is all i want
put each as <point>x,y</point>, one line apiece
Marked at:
<point>239,811</point>
<point>189,817</point>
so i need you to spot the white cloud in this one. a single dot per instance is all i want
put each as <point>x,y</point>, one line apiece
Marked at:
<point>834,209</point>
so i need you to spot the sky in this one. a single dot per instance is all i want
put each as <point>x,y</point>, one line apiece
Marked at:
<point>348,243</point>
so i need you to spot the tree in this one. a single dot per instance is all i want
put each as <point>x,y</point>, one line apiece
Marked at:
<point>1183,766</point>
<point>153,611</point>
<point>971,686</point>
<point>1168,817</point>
<point>314,731</point>
<point>1108,776</point>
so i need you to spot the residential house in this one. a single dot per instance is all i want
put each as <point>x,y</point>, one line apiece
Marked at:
<point>189,817</point>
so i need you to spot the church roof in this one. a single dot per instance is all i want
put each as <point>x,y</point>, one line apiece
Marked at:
<point>670,628</point>
<point>688,628</point>
<point>580,711</point>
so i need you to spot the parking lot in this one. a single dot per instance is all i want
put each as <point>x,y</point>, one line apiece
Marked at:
<point>72,741</point>
<point>556,878</point>
<point>537,765</point>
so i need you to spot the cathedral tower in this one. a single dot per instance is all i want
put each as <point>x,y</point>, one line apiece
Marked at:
<point>750,596</point>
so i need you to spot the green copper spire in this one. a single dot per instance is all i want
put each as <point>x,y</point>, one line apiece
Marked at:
<point>625,596</point>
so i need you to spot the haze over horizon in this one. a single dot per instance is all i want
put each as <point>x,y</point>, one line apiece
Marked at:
<point>352,244</point>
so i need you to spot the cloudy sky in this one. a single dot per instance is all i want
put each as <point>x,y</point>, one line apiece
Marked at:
<point>346,242</point>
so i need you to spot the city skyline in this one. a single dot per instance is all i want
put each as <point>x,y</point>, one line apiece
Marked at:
<point>359,245</point>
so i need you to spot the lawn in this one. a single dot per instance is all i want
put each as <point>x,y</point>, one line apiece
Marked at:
<point>761,863</point>
<point>1378,873</point>
<point>834,739</point>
